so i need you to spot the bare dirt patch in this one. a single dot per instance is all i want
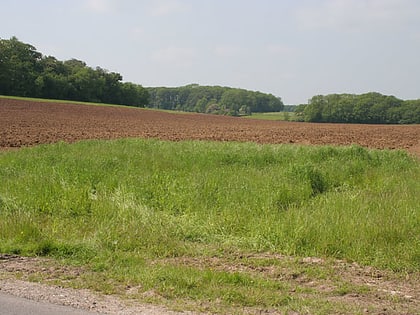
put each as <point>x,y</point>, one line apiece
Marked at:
<point>42,279</point>
<point>369,290</point>
<point>28,123</point>
<point>361,289</point>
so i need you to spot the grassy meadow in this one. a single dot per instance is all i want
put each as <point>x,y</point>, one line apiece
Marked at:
<point>156,214</point>
<point>280,116</point>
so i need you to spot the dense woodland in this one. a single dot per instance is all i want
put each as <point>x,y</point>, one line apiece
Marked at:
<point>213,100</point>
<point>368,108</point>
<point>26,72</point>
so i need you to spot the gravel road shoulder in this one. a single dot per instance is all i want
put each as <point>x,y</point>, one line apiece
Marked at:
<point>384,292</point>
<point>14,266</point>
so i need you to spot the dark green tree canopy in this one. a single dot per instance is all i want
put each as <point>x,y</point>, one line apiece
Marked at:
<point>213,99</point>
<point>368,108</point>
<point>26,72</point>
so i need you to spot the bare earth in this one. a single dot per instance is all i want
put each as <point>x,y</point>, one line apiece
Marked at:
<point>27,123</point>
<point>374,291</point>
<point>82,299</point>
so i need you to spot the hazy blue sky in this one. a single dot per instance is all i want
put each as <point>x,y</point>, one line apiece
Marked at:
<point>291,48</point>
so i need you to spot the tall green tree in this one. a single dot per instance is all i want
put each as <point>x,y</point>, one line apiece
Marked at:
<point>372,108</point>
<point>213,99</point>
<point>26,72</point>
<point>19,68</point>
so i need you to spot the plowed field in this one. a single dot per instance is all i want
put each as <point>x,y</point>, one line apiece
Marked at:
<point>28,123</point>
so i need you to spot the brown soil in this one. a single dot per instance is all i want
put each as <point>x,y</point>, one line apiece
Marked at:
<point>357,288</point>
<point>44,280</point>
<point>28,123</point>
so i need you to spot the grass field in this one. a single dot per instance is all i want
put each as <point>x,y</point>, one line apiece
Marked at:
<point>156,214</point>
<point>283,116</point>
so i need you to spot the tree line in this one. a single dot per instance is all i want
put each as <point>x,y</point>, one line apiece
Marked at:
<point>368,108</point>
<point>26,72</point>
<point>213,100</point>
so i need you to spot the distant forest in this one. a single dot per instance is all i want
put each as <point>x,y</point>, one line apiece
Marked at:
<point>213,100</point>
<point>26,72</point>
<point>368,108</point>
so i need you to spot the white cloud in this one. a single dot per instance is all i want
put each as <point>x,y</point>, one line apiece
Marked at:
<point>167,7</point>
<point>174,56</point>
<point>226,50</point>
<point>415,36</point>
<point>137,32</point>
<point>351,15</point>
<point>280,50</point>
<point>100,6</point>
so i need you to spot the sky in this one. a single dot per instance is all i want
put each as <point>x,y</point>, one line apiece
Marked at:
<point>294,49</point>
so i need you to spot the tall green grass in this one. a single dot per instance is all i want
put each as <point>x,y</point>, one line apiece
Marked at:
<point>117,206</point>
<point>163,198</point>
